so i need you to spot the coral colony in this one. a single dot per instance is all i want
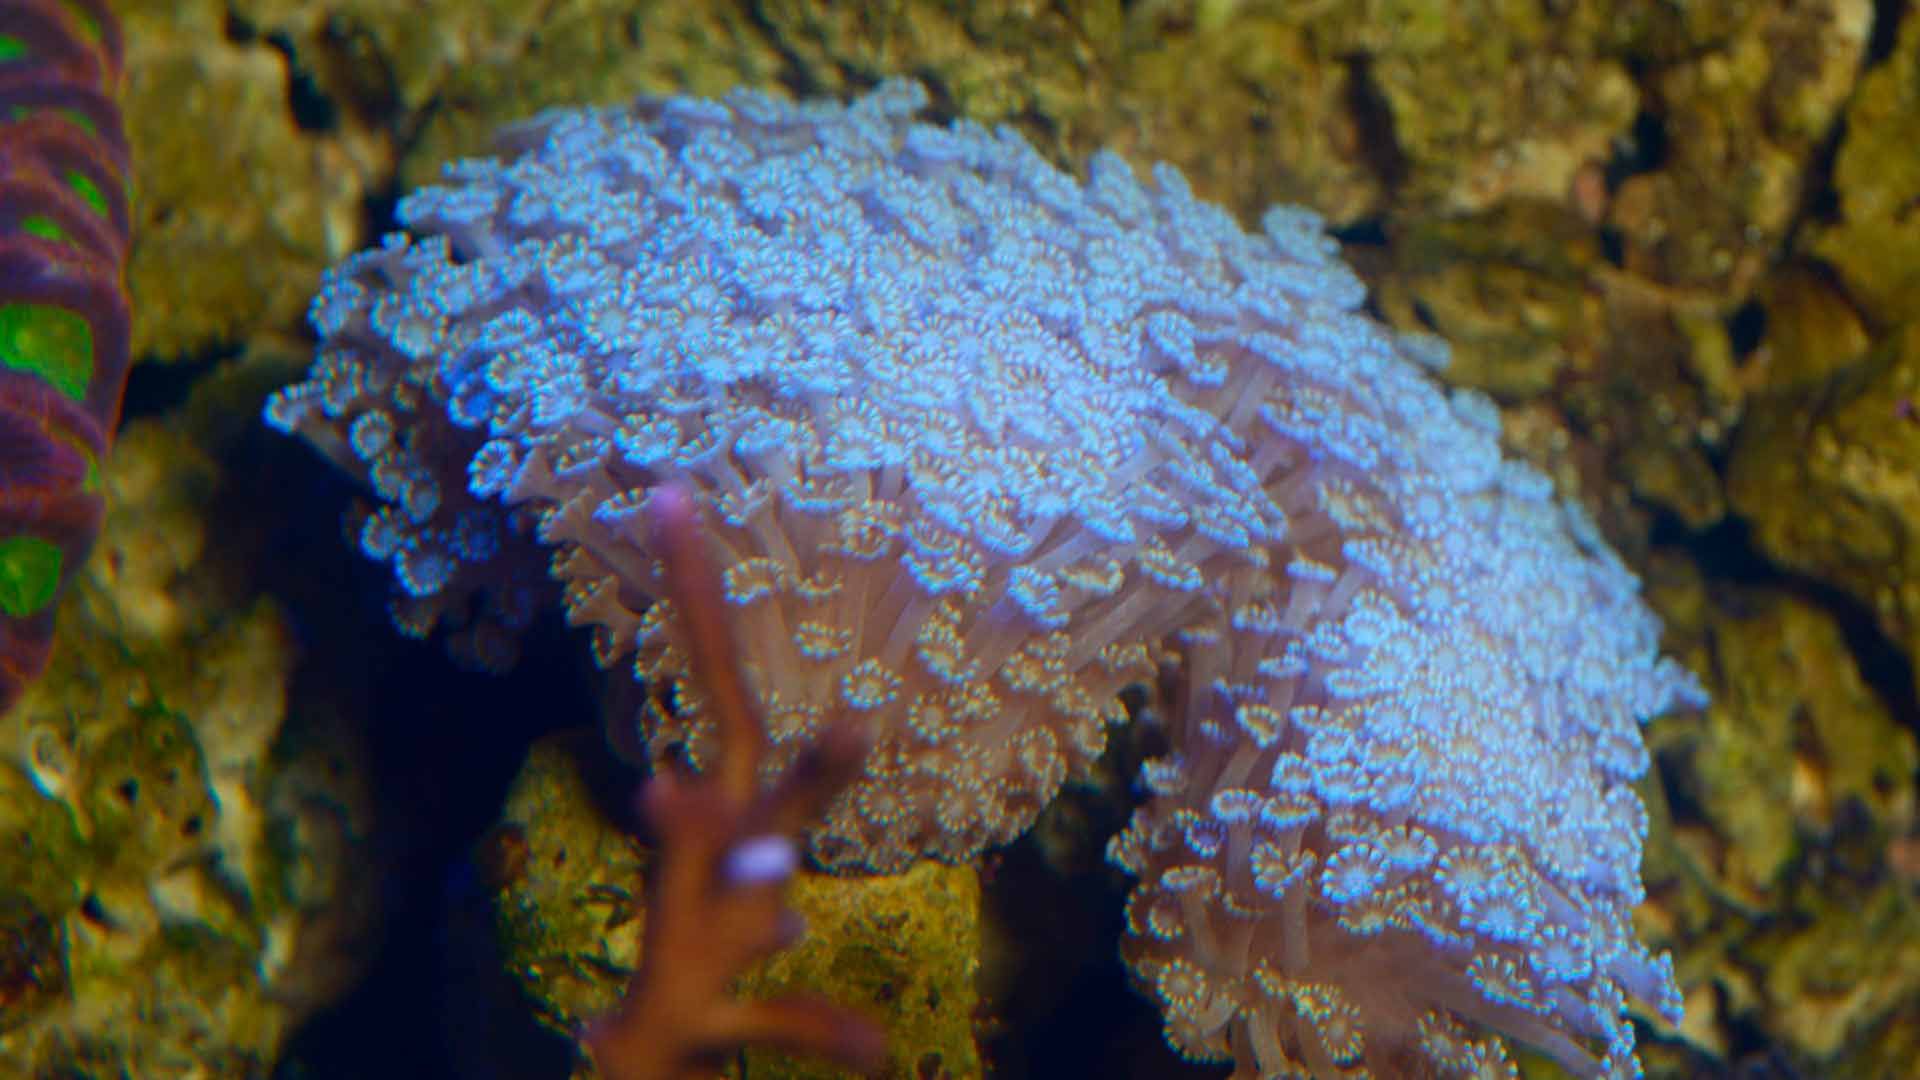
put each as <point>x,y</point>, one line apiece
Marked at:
<point>976,445</point>
<point>63,306</point>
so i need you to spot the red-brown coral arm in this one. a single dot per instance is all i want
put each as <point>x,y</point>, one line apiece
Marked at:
<point>716,903</point>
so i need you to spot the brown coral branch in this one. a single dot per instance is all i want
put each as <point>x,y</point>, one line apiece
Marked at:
<point>716,904</point>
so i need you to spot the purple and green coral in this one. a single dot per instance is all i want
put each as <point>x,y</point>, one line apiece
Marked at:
<point>63,307</point>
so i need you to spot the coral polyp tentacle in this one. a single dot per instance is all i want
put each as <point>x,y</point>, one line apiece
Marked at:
<point>64,321</point>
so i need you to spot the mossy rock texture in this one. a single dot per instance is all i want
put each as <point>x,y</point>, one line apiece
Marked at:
<point>570,897</point>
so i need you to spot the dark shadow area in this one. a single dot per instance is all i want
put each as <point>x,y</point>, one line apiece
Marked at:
<point>441,745</point>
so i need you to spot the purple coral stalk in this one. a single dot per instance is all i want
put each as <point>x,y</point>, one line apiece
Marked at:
<point>980,444</point>
<point>63,307</point>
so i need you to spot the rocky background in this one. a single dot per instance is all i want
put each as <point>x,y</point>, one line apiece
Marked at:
<point>248,830</point>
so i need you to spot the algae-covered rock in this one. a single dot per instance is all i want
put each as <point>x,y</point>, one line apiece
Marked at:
<point>568,881</point>
<point>240,198</point>
<point>1273,122</point>
<point>1535,315</point>
<point>1793,747</point>
<point>1624,327</point>
<point>1510,290</point>
<point>1742,111</point>
<point>167,866</point>
<point>1877,175</point>
<point>1484,101</point>
<point>1812,332</point>
<point>1830,484</point>
<point>901,948</point>
<point>1275,118</point>
<point>1767,866</point>
<point>264,130</point>
<point>1852,967</point>
<point>439,77</point>
<point>570,901</point>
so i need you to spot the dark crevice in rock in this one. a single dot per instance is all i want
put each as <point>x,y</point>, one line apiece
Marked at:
<point>1728,555</point>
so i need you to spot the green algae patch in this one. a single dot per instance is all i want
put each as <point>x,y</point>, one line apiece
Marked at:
<point>903,949</point>
<point>565,890</point>
<point>29,574</point>
<point>1877,175</point>
<point>48,342</point>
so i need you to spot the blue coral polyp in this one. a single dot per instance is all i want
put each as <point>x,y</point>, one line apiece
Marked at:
<point>978,445</point>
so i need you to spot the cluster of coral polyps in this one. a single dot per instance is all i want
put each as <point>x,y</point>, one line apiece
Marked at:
<point>979,445</point>
<point>1400,795</point>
